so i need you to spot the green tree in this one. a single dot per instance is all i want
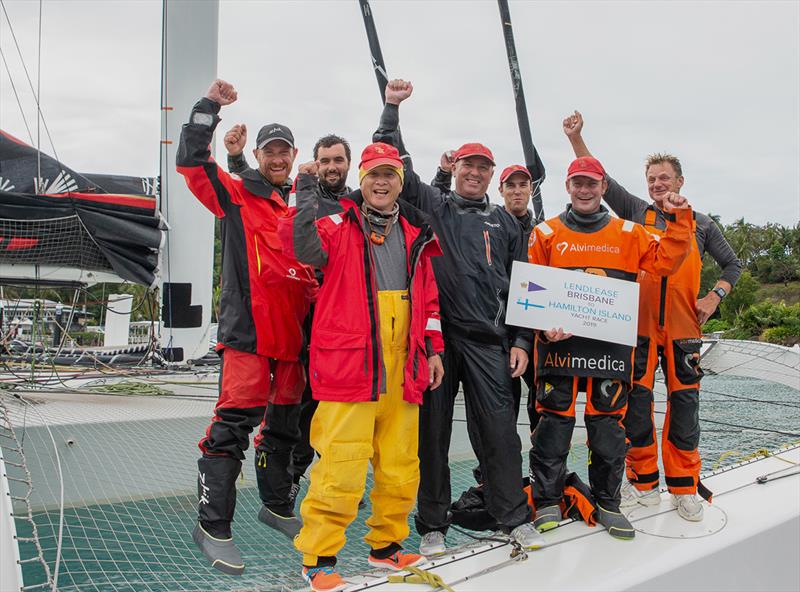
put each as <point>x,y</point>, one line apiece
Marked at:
<point>741,297</point>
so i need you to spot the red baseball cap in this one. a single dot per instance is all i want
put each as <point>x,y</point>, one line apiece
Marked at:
<point>378,154</point>
<point>586,166</point>
<point>514,168</point>
<point>473,149</point>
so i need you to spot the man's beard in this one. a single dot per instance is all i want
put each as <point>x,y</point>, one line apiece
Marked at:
<point>338,187</point>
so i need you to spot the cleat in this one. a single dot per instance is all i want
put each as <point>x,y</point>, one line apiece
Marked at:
<point>527,535</point>
<point>432,543</point>
<point>632,497</point>
<point>689,507</point>
<point>222,553</point>
<point>615,523</point>
<point>397,561</point>
<point>288,525</point>
<point>323,578</point>
<point>547,518</point>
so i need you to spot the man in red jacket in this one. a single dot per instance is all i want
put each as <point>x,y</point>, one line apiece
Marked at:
<point>375,348</point>
<point>265,297</point>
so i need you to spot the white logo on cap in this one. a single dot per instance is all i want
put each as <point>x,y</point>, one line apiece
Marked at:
<point>275,129</point>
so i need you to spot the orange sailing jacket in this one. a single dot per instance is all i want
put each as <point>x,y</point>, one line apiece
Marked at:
<point>610,247</point>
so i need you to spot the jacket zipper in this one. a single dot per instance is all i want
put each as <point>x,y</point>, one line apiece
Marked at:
<point>488,244</point>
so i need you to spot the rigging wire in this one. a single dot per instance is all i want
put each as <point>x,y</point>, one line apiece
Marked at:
<point>16,95</point>
<point>28,76</point>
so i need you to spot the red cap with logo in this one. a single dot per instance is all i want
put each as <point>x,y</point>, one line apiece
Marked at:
<point>378,154</point>
<point>473,149</point>
<point>514,168</point>
<point>586,166</point>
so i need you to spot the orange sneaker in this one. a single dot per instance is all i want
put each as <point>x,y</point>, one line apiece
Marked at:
<point>398,560</point>
<point>323,578</point>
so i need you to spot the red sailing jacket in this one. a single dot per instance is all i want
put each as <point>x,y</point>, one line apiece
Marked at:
<point>265,295</point>
<point>345,354</point>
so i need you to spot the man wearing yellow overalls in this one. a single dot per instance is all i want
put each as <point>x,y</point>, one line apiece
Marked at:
<point>670,316</point>
<point>375,349</point>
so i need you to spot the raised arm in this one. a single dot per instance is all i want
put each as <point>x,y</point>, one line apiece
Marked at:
<point>444,173</point>
<point>206,180</point>
<point>664,256</point>
<point>235,141</point>
<point>417,193</point>
<point>623,203</point>
<point>298,232</point>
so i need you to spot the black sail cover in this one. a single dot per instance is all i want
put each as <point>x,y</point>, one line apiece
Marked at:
<point>62,218</point>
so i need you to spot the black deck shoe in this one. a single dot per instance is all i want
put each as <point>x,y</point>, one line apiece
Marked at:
<point>222,553</point>
<point>288,525</point>
<point>615,523</point>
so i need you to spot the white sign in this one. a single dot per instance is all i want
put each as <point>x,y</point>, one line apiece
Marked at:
<point>581,303</point>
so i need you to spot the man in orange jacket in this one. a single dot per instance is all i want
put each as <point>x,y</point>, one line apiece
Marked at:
<point>586,238</point>
<point>670,315</point>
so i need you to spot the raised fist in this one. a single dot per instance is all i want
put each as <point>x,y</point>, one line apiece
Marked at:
<point>674,201</point>
<point>573,124</point>
<point>398,91</point>
<point>222,92</point>
<point>309,168</point>
<point>236,139</point>
<point>446,161</point>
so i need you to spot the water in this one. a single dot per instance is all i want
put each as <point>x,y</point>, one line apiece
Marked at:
<point>145,544</point>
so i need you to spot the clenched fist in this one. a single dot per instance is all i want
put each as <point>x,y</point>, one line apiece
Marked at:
<point>446,161</point>
<point>309,168</point>
<point>398,91</point>
<point>674,201</point>
<point>236,139</point>
<point>222,92</point>
<point>573,124</point>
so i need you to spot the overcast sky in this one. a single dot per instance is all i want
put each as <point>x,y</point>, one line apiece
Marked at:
<point>716,83</point>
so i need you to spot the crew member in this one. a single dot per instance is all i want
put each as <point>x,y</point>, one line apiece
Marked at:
<point>670,316</point>
<point>332,155</point>
<point>480,241</point>
<point>375,348</point>
<point>516,189</point>
<point>585,237</point>
<point>264,298</point>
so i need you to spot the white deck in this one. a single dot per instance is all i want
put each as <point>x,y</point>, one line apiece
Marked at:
<point>749,540</point>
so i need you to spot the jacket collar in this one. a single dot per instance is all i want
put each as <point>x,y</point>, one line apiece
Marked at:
<point>473,204</point>
<point>257,184</point>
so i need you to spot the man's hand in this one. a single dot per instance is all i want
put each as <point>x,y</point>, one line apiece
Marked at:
<point>573,124</point>
<point>554,335</point>
<point>398,91</point>
<point>222,92</point>
<point>446,161</point>
<point>435,371</point>
<point>707,306</point>
<point>236,139</point>
<point>309,168</point>
<point>674,201</point>
<point>517,361</point>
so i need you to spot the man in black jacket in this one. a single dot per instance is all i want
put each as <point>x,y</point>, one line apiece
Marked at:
<point>516,189</point>
<point>480,241</point>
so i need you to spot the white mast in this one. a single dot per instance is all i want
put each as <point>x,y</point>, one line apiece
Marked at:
<point>189,65</point>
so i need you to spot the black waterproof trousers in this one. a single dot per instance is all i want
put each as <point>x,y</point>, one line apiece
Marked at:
<point>491,423</point>
<point>606,403</point>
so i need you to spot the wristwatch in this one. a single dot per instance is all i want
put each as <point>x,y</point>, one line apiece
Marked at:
<point>720,291</point>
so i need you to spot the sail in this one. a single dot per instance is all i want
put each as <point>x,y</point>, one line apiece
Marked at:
<point>51,215</point>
